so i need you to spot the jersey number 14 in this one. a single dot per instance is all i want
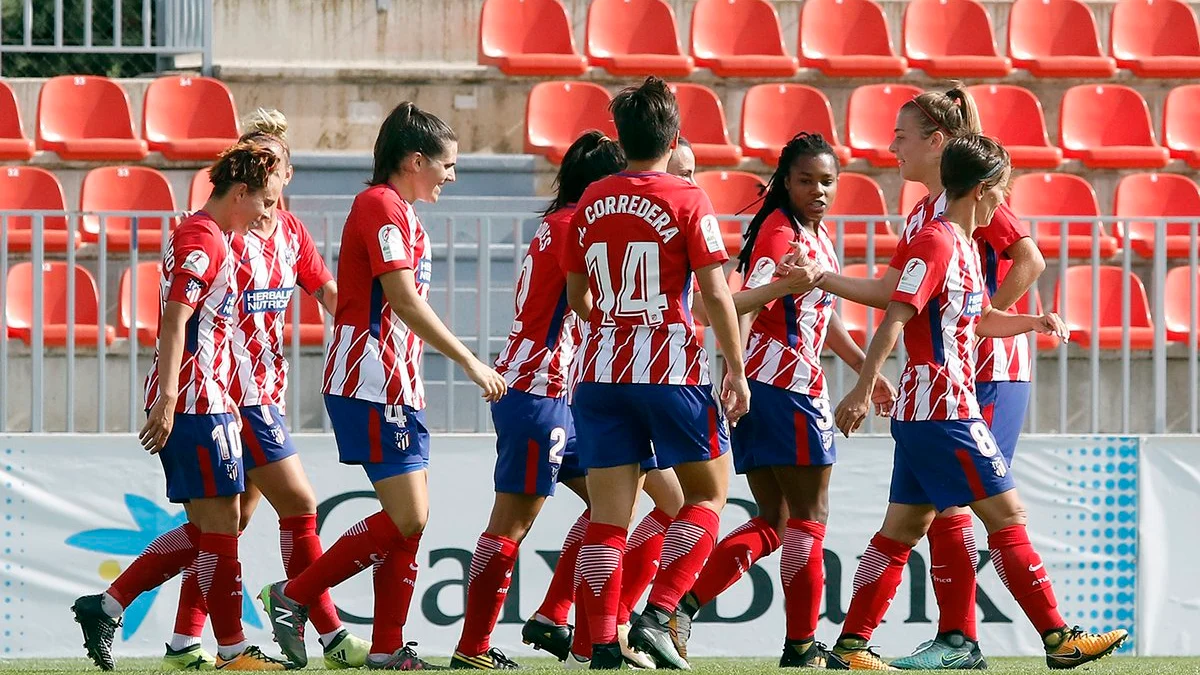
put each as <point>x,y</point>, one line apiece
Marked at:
<point>639,295</point>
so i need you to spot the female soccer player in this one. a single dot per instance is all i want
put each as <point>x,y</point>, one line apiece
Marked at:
<point>194,430</point>
<point>373,388</point>
<point>945,454</point>
<point>1012,264</point>
<point>273,257</point>
<point>643,386</point>
<point>785,446</point>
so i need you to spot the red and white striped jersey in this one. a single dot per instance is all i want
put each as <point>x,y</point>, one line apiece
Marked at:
<point>537,356</point>
<point>923,213</point>
<point>638,237</point>
<point>784,349</point>
<point>942,280</point>
<point>268,268</point>
<point>199,272</point>
<point>1001,359</point>
<point>374,356</point>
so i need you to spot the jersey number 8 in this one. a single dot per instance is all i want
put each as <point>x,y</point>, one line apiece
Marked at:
<point>984,440</point>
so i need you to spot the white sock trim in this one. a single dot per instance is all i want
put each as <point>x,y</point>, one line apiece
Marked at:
<point>180,642</point>
<point>327,638</point>
<point>232,651</point>
<point>110,605</point>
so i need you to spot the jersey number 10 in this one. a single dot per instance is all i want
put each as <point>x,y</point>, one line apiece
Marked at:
<point>639,295</point>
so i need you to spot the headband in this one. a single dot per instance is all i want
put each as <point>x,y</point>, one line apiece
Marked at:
<point>930,117</point>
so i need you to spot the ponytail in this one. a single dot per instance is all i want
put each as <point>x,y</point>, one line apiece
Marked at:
<point>952,112</point>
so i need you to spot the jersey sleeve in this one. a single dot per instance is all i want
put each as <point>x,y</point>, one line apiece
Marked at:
<point>388,234</point>
<point>572,249</point>
<point>705,245</point>
<point>1004,230</point>
<point>311,271</point>
<point>191,266</point>
<point>924,272</point>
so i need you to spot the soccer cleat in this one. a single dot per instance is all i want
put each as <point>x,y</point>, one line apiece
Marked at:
<point>252,658</point>
<point>681,622</point>
<point>99,629</point>
<point>947,651</point>
<point>492,659</point>
<point>651,635</point>
<point>405,658</point>
<point>547,637</point>
<point>287,618</point>
<point>188,658</point>
<point>574,662</point>
<point>346,651</point>
<point>804,654</point>
<point>1073,647</point>
<point>606,657</point>
<point>851,653</point>
<point>634,658</point>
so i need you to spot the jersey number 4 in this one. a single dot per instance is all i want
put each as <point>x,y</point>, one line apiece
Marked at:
<point>639,295</point>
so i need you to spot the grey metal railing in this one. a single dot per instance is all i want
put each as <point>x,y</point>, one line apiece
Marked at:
<point>1142,379</point>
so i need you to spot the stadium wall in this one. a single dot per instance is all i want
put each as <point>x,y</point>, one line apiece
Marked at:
<point>1112,517</point>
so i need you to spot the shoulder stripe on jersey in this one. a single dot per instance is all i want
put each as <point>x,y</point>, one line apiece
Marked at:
<point>934,310</point>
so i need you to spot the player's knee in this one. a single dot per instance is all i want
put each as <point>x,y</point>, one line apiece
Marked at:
<point>811,509</point>
<point>297,504</point>
<point>1015,514</point>
<point>410,524</point>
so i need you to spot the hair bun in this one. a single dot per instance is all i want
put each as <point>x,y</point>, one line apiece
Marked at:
<point>268,121</point>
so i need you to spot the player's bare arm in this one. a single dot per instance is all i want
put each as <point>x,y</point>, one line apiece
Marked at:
<point>838,339</point>
<point>718,302</point>
<point>995,323</point>
<point>1028,265</point>
<point>161,418</point>
<point>853,409</point>
<point>327,296</point>
<point>578,295</point>
<point>401,291</point>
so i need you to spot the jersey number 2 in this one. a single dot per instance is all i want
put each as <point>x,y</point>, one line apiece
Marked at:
<point>639,295</point>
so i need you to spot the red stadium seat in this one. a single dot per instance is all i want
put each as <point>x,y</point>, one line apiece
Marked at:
<point>1157,195</point>
<point>859,195</point>
<point>147,300</point>
<point>1181,304</point>
<point>740,38</point>
<point>528,37</point>
<point>1061,194</point>
<point>13,143</point>
<point>312,321</point>
<point>911,192</point>
<point>34,189</point>
<point>1013,115</point>
<point>87,117</point>
<point>847,38</point>
<point>189,117</point>
<point>773,113</point>
<point>1056,38</point>
<point>702,122</point>
<point>1181,126</point>
<point>126,188</point>
<point>558,112</point>
<point>731,192</point>
<point>1076,308</point>
<point>20,313</point>
<point>952,38</point>
<point>635,37</point>
<point>1108,126</point>
<point>199,191</point>
<point>860,320</point>
<point>1156,38</point>
<point>871,119</point>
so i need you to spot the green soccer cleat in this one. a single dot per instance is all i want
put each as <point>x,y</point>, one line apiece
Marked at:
<point>99,630</point>
<point>346,651</point>
<point>287,619</point>
<point>947,651</point>
<point>188,658</point>
<point>492,659</point>
<point>651,635</point>
<point>547,637</point>
<point>804,654</point>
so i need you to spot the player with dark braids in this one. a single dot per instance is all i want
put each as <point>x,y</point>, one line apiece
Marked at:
<point>784,445</point>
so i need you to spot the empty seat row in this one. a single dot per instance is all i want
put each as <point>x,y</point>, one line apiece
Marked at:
<point>106,188</point>
<point>138,311</point>
<point>87,117</point>
<point>842,38</point>
<point>1141,195</point>
<point>1101,125</point>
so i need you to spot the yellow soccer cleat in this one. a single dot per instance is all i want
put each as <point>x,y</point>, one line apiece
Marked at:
<point>1073,647</point>
<point>252,658</point>
<point>853,654</point>
<point>188,658</point>
<point>346,651</point>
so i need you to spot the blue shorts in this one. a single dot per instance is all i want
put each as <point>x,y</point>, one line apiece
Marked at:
<point>534,435</point>
<point>946,463</point>
<point>783,428</point>
<point>621,424</point>
<point>265,436</point>
<point>1003,405</point>
<point>387,440</point>
<point>203,458</point>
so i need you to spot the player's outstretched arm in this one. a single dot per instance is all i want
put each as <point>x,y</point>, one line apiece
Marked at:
<point>401,291</point>
<point>875,293</point>
<point>718,302</point>
<point>838,339</point>
<point>853,409</point>
<point>1028,265</point>
<point>997,324</point>
<point>161,417</point>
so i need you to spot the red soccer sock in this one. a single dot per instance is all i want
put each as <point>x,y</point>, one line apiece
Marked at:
<point>300,547</point>
<point>192,611</point>
<point>581,641</point>
<point>165,557</point>
<point>362,546</point>
<point>952,562</point>
<point>491,573</point>
<point>560,594</point>
<point>733,556</point>
<point>689,540</point>
<point>220,577</point>
<point>1021,569</point>
<point>395,580</point>
<point>599,579</point>
<point>875,583</point>
<point>641,561</point>
<point>802,568</point>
